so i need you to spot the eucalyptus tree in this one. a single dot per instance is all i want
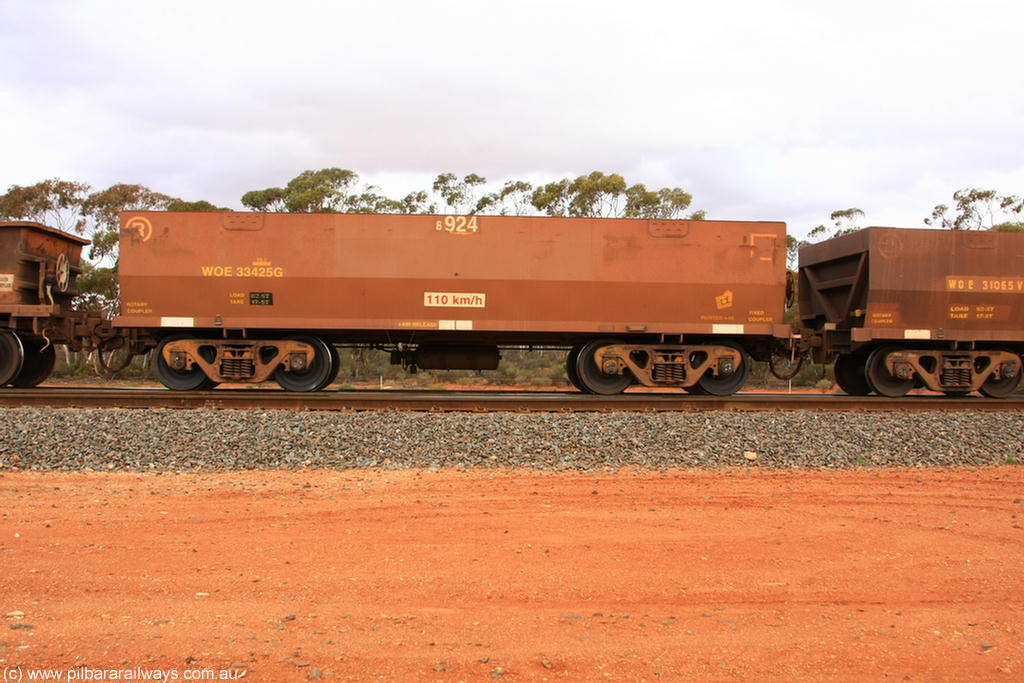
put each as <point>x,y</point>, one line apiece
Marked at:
<point>976,209</point>
<point>53,202</point>
<point>458,195</point>
<point>844,221</point>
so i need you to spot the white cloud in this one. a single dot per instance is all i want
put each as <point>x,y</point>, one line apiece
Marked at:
<point>775,110</point>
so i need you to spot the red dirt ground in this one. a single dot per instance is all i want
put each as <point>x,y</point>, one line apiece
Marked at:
<point>508,575</point>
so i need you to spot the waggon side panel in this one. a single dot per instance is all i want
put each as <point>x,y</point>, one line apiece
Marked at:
<point>343,272</point>
<point>934,284</point>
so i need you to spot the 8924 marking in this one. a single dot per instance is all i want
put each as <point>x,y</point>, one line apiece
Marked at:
<point>458,225</point>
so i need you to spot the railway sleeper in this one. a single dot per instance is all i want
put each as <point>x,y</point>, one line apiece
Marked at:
<point>238,361</point>
<point>956,372</point>
<point>670,365</point>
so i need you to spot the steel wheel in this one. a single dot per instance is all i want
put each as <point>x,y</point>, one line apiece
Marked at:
<point>315,375</point>
<point>1000,388</point>
<point>178,380</point>
<point>570,368</point>
<point>12,355</point>
<point>696,358</point>
<point>879,378</point>
<point>38,363</point>
<point>727,384</point>
<point>335,364</point>
<point>591,377</point>
<point>849,373</point>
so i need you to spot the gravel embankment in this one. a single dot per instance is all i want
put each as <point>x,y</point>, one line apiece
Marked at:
<point>62,439</point>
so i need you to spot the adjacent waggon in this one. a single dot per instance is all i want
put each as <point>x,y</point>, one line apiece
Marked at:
<point>39,267</point>
<point>897,308</point>
<point>248,297</point>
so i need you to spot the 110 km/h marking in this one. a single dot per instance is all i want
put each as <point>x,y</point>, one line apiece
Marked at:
<point>454,299</point>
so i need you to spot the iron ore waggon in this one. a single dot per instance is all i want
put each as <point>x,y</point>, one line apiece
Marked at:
<point>249,297</point>
<point>245,297</point>
<point>39,267</point>
<point>898,308</point>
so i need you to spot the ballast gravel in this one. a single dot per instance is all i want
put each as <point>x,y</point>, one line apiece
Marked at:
<point>176,440</point>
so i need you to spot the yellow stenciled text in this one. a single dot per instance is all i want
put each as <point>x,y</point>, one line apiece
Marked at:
<point>136,308</point>
<point>242,271</point>
<point>1008,285</point>
<point>759,316</point>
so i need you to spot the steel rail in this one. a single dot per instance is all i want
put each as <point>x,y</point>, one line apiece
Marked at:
<point>481,401</point>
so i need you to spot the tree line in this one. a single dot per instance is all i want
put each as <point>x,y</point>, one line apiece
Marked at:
<point>973,209</point>
<point>597,195</point>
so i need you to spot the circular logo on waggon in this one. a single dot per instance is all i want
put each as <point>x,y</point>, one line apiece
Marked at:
<point>890,246</point>
<point>141,225</point>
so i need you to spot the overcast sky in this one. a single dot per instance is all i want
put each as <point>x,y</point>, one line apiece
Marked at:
<point>783,110</point>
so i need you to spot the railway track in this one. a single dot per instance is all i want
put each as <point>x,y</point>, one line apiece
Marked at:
<point>481,401</point>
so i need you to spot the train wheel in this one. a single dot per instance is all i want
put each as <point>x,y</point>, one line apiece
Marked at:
<point>696,358</point>
<point>570,368</point>
<point>726,384</point>
<point>335,365</point>
<point>12,355</point>
<point>849,372</point>
<point>40,358</point>
<point>592,378</point>
<point>178,380</point>
<point>879,378</point>
<point>1000,388</point>
<point>315,375</point>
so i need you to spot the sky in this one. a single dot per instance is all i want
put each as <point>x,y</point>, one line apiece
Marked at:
<point>763,110</point>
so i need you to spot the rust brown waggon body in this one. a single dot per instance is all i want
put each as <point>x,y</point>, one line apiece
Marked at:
<point>250,297</point>
<point>39,268</point>
<point>895,308</point>
<point>243,297</point>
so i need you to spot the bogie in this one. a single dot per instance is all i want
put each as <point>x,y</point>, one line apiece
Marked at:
<point>299,363</point>
<point>893,371</point>
<point>608,366</point>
